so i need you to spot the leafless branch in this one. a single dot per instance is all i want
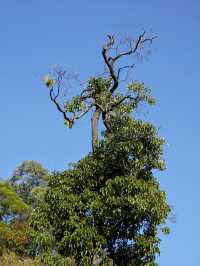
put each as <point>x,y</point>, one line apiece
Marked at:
<point>134,47</point>
<point>122,68</point>
<point>55,91</point>
<point>58,106</point>
<point>107,59</point>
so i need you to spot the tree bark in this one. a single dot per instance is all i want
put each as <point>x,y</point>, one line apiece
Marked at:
<point>95,122</point>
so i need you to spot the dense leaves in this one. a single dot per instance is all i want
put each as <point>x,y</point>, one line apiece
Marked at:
<point>109,206</point>
<point>10,203</point>
<point>13,211</point>
<point>23,192</point>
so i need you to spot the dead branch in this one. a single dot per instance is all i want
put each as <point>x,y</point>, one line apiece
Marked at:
<point>58,106</point>
<point>134,47</point>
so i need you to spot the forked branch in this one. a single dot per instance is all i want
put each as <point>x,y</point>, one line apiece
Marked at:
<point>133,48</point>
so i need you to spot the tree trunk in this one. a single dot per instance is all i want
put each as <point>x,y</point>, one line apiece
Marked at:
<point>95,122</point>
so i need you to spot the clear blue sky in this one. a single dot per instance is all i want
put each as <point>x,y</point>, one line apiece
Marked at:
<point>38,34</point>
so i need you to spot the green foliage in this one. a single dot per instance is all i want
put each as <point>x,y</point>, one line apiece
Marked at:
<point>75,105</point>
<point>10,203</point>
<point>13,233</point>
<point>141,92</point>
<point>109,206</point>
<point>24,191</point>
<point>56,260</point>
<point>98,89</point>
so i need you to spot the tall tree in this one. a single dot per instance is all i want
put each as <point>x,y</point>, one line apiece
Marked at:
<point>108,209</point>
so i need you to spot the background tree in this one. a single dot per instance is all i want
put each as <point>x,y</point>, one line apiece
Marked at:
<point>10,203</point>
<point>22,193</point>
<point>29,181</point>
<point>13,212</point>
<point>108,209</point>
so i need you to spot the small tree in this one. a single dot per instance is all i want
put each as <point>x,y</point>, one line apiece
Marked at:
<point>108,209</point>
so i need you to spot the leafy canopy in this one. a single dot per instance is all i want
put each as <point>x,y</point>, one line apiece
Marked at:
<point>109,207</point>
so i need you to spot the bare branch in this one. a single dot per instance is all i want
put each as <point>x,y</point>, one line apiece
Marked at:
<point>110,67</point>
<point>133,48</point>
<point>124,67</point>
<point>60,109</point>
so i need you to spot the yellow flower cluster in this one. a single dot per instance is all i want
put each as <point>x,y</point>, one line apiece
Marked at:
<point>49,81</point>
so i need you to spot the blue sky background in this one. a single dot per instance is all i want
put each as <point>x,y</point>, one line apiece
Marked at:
<point>38,34</point>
